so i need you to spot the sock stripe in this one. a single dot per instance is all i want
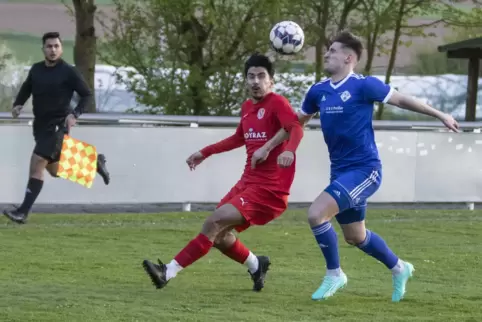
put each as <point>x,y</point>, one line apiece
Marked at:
<point>376,247</point>
<point>321,229</point>
<point>367,239</point>
<point>327,240</point>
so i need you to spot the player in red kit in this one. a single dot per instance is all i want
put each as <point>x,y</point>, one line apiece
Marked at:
<point>261,194</point>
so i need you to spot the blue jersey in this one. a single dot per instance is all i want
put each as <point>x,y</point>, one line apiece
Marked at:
<point>346,111</point>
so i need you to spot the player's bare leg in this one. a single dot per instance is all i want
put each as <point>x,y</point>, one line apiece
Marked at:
<point>224,218</point>
<point>320,213</point>
<point>372,244</point>
<point>34,186</point>
<point>233,248</point>
<point>53,168</point>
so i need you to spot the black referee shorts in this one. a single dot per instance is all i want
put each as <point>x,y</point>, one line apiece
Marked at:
<point>49,137</point>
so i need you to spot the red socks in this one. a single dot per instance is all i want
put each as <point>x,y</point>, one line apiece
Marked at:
<point>197,248</point>
<point>238,252</point>
<point>200,246</point>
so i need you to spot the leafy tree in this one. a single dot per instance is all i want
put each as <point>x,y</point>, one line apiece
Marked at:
<point>373,19</point>
<point>188,55</point>
<point>321,20</point>
<point>406,9</point>
<point>12,75</point>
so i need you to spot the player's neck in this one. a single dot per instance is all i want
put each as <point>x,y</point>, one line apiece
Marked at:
<point>340,76</point>
<point>50,63</point>
<point>257,100</point>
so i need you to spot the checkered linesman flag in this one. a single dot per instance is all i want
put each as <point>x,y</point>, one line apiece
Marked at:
<point>78,162</point>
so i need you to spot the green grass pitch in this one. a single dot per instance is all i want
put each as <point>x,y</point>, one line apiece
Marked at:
<point>88,268</point>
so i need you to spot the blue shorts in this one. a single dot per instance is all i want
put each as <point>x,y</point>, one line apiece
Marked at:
<point>351,191</point>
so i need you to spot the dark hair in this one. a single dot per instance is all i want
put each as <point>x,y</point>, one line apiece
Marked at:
<point>351,41</point>
<point>50,35</point>
<point>259,60</point>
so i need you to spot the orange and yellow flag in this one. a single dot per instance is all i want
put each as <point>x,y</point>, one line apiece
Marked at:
<point>78,162</point>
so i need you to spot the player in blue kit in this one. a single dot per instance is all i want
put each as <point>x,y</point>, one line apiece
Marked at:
<point>345,102</point>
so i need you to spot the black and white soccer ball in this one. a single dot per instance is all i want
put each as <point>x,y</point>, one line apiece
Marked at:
<point>287,37</point>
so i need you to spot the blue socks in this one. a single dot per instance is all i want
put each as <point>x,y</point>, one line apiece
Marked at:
<point>373,245</point>
<point>376,247</point>
<point>327,240</point>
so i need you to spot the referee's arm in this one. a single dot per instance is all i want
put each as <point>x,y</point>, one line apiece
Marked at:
<point>25,91</point>
<point>80,86</point>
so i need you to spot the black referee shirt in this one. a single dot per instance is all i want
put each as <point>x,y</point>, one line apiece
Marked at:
<point>52,88</point>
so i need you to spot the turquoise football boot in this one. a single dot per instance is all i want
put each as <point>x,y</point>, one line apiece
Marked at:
<point>330,285</point>
<point>400,281</point>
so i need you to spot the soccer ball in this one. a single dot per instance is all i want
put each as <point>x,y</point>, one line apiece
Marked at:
<point>287,38</point>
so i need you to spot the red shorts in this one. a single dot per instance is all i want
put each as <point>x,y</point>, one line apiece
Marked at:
<point>257,205</point>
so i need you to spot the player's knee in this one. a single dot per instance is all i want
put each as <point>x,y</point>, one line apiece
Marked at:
<point>317,215</point>
<point>215,224</point>
<point>353,235</point>
<point>224,240</point>
<point>353,240</point>
<point>314,216</point>
<point>37,167</point>
<point>212,226</point>
<point>323,209</point>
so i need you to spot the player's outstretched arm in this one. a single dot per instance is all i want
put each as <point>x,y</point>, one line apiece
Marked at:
<point>412,104</point>
<point>377,91</point>
<point>230,143</point>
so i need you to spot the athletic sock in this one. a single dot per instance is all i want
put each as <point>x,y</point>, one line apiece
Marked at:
<point>327,240</point>
<point>34,187</point>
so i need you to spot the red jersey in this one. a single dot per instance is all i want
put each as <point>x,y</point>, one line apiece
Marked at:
<point>259,123</point>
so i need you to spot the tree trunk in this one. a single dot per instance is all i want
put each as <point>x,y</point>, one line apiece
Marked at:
<point>85,44</point>
<point>371,48</point>
<point>347,8</point>
<point>393,54</point>
<point>322,22</point>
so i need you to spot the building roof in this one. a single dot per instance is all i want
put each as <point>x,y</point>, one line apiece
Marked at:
<point>463,49</point>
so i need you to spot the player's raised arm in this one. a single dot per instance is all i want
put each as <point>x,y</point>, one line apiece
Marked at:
<point>230,143</point>
<point>378,91</point>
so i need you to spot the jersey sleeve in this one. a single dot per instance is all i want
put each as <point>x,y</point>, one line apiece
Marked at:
<point>375,90</point>
<point>25,90</point>
<point>80,86</point>
<point>289,122</point>
<point>309,105</point>
<point>285,114</point>
<point>230,143</point>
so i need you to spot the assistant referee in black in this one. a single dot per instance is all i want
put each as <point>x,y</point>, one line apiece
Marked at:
<point>51,83</point>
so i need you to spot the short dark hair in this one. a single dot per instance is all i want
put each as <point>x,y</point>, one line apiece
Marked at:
<point>50,35</point>
<point>347,39</point>
<point>259,60</point>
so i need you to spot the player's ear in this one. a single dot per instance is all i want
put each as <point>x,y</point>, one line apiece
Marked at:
<point>353,58</point>
<point>348,58</point>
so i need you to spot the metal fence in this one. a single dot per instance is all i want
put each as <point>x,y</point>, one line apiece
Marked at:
<point>423,163</point>
<point>227,121</point>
